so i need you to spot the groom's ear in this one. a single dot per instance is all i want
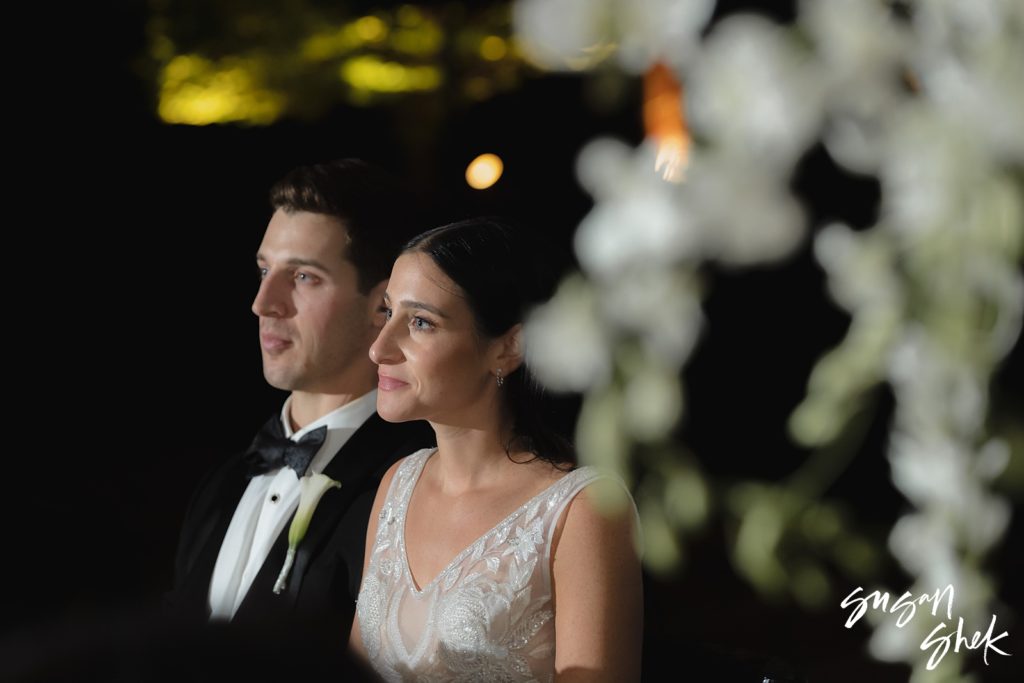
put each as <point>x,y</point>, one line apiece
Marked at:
<point>374,303</point>
<point>510,349</point>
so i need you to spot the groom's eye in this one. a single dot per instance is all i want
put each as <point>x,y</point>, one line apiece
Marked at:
<point>306,278</point>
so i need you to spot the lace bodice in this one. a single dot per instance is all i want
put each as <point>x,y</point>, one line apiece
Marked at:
<point>487,616</point>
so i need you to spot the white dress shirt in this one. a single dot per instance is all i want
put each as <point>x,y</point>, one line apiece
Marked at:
<point>268,504</point>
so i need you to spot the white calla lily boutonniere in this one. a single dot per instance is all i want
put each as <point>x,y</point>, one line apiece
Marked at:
<point>312,489</point>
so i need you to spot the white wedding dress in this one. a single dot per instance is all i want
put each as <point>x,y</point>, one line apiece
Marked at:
<point>487,616</point>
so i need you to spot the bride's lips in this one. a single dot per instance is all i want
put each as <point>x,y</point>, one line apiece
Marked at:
<point>385,383</point>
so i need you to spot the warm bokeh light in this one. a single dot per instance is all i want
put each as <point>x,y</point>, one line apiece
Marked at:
<point>197,91</point>
<point>340,41</point>
<point>484,171</point>
<point>371,74</point>
<point>493,48</point>
<point>266,69</point>
<point>664,122</point>
<point>371,28</point>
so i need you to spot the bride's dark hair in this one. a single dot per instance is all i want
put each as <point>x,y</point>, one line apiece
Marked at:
<point>498,269</point>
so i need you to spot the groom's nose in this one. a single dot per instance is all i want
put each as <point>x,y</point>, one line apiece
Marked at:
<point>273,299</point>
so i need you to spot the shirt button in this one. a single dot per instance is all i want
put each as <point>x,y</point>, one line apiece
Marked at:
<point>274,497</point>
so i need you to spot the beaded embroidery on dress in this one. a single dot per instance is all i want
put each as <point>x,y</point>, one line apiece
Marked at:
<point>487,616</point>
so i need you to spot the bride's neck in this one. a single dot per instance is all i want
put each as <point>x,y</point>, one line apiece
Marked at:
<point>468,459</point>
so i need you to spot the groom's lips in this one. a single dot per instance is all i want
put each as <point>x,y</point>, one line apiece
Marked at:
<point>274,344</point>
<point>385,383</point>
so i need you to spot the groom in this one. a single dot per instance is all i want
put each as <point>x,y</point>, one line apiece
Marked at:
<point>323,264</point>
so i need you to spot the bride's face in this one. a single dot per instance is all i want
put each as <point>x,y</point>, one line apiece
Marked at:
<point>432,362</point>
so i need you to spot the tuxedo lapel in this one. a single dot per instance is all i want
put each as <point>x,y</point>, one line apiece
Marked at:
<point>357,465</point>
<point>360,462</point>
<point>212,515</point>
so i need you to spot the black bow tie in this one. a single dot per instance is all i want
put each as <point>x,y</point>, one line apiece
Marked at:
<point>272,450</point>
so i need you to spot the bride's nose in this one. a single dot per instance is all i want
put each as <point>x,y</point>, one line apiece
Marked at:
<point>384,350</point>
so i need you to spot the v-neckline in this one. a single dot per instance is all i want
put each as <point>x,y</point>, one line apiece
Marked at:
<point>419,592</point>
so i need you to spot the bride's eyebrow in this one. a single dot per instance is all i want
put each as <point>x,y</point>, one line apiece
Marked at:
<point>406,303</point>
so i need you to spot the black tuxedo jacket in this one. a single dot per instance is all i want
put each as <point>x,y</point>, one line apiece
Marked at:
<point>324,581</point>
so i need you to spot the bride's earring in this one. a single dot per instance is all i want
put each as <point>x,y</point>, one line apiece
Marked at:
<point>499,378</point>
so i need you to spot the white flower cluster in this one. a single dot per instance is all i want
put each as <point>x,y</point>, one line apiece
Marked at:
<point>934,289</point>
<point>925,95</point>
<point>577,34</point>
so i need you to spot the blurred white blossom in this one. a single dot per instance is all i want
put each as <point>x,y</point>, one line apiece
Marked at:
<point>993,457</point>
<point>888,643</point>
<point>638,219</point>
<point>577,34</point>
<point>928,97</point>
<point>754,89</point>
<point>941,393</point>
<point>564,34</point>
<point>856,41</point>
<point>861,268</point>
<point>686,497</point>
<point>862,52</point>
<point>929,472</point>
<point>985,96</point>
<point>660,306</point>
<point>659,31</point>
<point>566,342</point>
<point>743,210</point>
<point>930,169</point>
<point>602,164</point>
<point>652,402</point>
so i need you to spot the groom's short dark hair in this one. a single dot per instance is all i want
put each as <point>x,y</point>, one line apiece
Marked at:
<point>375,209</point>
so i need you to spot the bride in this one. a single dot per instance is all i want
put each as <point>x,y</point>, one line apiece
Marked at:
<point>487,558</point>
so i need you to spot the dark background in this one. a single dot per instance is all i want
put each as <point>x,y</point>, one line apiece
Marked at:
<point>134,363</point>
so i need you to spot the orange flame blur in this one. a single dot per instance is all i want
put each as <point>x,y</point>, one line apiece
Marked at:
<point>665,122</point>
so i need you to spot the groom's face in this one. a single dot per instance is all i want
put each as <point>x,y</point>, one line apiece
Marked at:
<point>315,326</point>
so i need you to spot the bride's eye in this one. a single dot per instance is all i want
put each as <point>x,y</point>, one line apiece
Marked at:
<point>420,323</point>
